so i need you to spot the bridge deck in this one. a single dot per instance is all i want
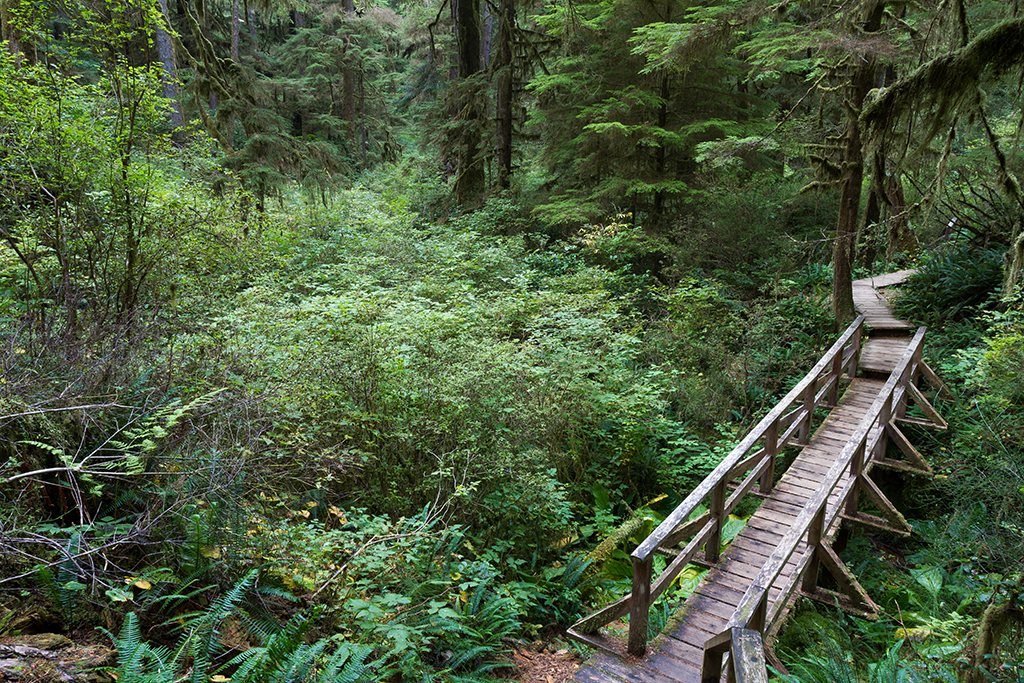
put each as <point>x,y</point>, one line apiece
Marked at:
<point>677,657</point>
<point>871,301</point>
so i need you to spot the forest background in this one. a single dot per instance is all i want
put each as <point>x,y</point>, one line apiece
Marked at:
<point>339,339</point>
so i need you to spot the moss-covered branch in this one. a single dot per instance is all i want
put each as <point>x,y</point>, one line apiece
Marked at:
<point>946,83</point>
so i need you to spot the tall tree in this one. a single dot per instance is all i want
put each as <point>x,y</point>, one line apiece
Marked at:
<point>861,69</point>
<point>468,105</point>
<point>504,101</point>
<point>165,49</point>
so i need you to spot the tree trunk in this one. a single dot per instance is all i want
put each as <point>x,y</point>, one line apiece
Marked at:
<point>236,34</point>
<point>170,75</point>
<point>1014,261</point>
<point>487,35</point>
<point>990,631</point>
<point>7,31</point>
<point>503,135</point>
<point>469,179</point>
<point>251,16</point>
<point>348,82</point>
<point>900,239</point>
<point>861,81</point>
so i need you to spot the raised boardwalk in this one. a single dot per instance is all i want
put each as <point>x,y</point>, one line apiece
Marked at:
<point>871,301</point>
<point>784,545</point>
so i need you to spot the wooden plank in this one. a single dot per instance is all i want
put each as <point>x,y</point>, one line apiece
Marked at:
<point>677,659</point>
<point>747,542</point>
<point>634,672</point>
<point>720,592</point>
<point>684,671</point>
<point>590,674</point>
<point>712,622</point>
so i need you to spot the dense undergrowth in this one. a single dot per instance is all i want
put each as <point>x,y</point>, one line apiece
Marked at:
<point>397,434</point>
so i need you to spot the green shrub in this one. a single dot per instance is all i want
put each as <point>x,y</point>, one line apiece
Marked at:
<point>949,283</point>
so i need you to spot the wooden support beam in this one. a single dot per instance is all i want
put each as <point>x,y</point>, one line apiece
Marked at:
<point>686,530</point>
<point>874,522</point>
<point>924,405</point>
<point>937,384</point>
<point>888,510</point>
<point>845,579</point>
<point>915,460</point>
<point>833,599</point>
<point>605,615</point>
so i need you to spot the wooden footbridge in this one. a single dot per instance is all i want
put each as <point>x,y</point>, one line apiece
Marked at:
<point>785,545</point>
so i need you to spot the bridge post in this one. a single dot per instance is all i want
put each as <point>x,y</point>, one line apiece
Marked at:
<point>640,606</point>
<point>771,448</point>
<point>885,418</point>
<point>856,346</point>
<point>809,584</point>
<point>856,467</point>
<point>808,405</point>
<point>836,373</point>
<point>716,506</point>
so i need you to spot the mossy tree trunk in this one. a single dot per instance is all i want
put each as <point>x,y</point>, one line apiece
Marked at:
<point>469,178</point>
<point>862,79</point>
<point>165,49</point>
<point>996,617</point>
<point>503,136</point>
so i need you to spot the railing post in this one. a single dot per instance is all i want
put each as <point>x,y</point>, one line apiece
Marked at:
<point>814,534</point>
<point>771,448</point>
<point>884,419</point>
<point>759,619</point>
<point>808,403</point>
<point>908,378</point>
<point>640,606</point>
<point>856,467</point>
<point>714,653</point>
<point>716,505</point>
<point>855,358</point>
<point>837,372</point>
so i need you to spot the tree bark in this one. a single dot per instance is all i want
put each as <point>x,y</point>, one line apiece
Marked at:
<point>990,631</point>
<point>469,179</point>
<point>170,75</point>
<point>348,81</point>
<point>861,81</point>
<point>503,135</point>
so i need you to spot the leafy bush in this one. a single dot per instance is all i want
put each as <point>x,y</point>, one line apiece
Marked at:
<point>949,283</point>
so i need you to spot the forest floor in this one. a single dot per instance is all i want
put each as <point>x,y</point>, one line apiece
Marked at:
<point>544,667</point>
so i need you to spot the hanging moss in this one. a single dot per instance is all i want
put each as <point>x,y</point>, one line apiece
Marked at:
<point>947,83</point>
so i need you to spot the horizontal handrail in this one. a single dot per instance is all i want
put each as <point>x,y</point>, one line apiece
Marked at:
<point>792,417</point>
<point>694,500</point>
<point>751,612</point>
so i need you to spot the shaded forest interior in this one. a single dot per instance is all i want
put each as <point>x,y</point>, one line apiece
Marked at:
<point>353,342</point>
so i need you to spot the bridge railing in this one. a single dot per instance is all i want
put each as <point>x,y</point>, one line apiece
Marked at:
<point>866,443</point>
<point>747,465</point>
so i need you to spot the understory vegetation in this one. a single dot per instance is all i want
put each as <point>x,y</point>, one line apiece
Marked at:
<point>328,354</point>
